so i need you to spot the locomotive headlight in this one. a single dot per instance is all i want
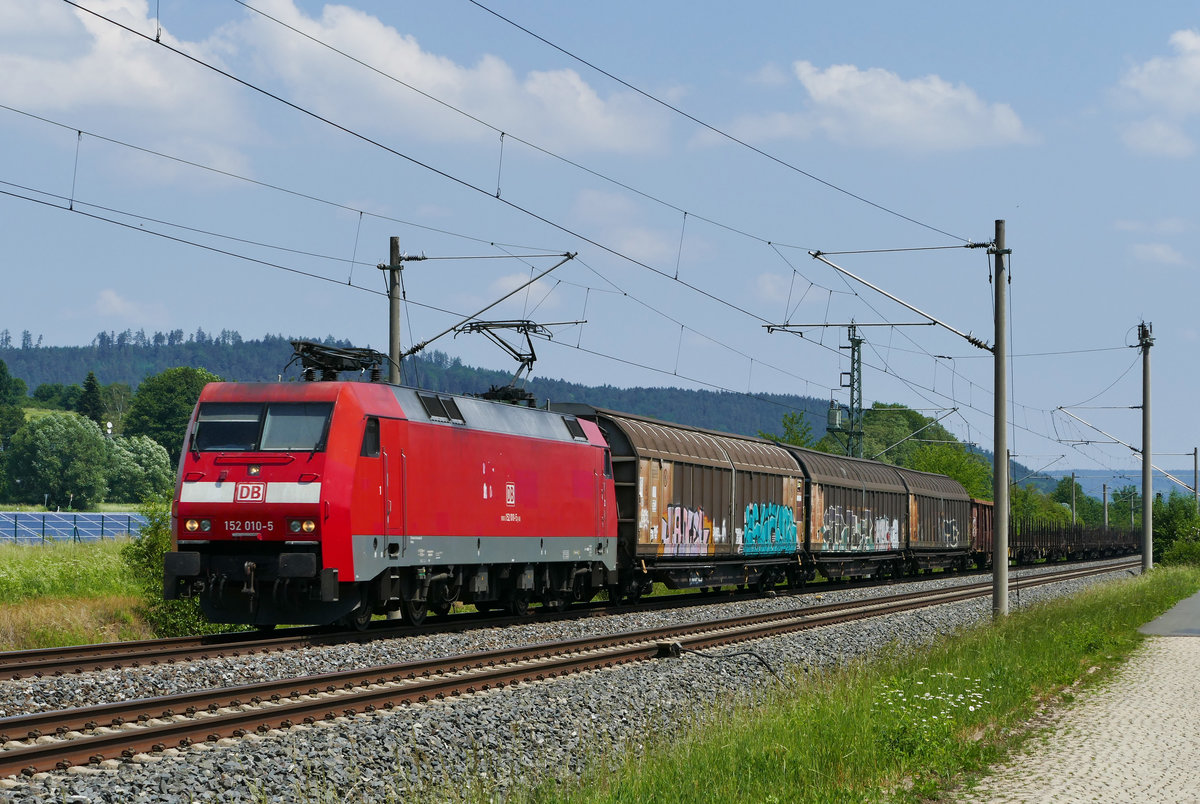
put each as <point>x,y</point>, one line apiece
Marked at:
<point>294,526</point>
<point>205,525</point>
<point>308,526</point>
<point>192,525</point>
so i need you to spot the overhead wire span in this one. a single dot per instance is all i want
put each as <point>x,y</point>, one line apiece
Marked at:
<point>502,133</point>
<point>709,127</point>
<point>419,163</point>
<point>256,182</point>
<point>434,308</point>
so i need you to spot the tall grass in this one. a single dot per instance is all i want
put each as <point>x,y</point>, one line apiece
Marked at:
<point>66,594</point>
<point>61,621</point>
<point>63,569</point>
<point>904,727</point>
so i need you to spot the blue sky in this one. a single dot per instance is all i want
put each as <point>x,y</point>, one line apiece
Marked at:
<point>862,127</point>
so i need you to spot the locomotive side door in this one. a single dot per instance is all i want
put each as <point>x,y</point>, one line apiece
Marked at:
<point>395,471</point>
<point>368,509</point>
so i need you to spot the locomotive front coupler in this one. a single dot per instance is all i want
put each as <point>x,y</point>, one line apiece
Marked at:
<point>248,585</point>
<point>249,588</point>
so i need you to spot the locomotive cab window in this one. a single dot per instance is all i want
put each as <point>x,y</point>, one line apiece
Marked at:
<point>227,427</point>
<point>296,426</point>
<point>255,427</point>
<point>370,444</point>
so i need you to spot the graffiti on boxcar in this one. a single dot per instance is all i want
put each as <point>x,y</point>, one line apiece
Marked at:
<point>950,532</point>
<point>683,531</point>
<point>858,530</point>
<point>770,528</point>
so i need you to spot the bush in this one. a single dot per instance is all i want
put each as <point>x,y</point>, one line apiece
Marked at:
<point>1183,551</point>
<point>144,557</point>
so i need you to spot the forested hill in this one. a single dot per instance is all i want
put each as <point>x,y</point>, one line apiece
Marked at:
<point>130,357</point>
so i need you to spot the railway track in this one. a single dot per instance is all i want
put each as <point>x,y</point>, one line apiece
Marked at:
<point>115,655</point>
<point>59,740</point>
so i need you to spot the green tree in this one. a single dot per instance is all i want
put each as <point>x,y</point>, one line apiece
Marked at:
<point>796,431</point>
<point>89,403</point>
<point>116,398</point>
<point>953,460</point>
<point>138,469</point>
<point>1030,505</point>
<point>1175,520</point>
<point>163,404</point>
<point>1125,508</point>
<point>12,389</point>
<point>60,454</point>
<point>11,419</point>
<point>56,396</point>
<point>1088,510</point>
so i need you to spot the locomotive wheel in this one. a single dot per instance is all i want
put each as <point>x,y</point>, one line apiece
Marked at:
<point>519,604</point>
<point>358,619</point>
<point>414,611</point>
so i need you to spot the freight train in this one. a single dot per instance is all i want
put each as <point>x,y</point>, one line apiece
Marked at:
<point>331,501</point>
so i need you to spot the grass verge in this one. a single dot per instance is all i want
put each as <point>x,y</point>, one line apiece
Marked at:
<point>58,622</point>
<point>66,594</point>
<point>901,728</point>
<point>63,569</point>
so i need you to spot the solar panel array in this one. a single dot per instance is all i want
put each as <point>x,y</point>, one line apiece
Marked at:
<point>37,527</point>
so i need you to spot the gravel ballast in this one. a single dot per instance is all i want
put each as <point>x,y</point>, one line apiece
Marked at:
<point>480,742</point>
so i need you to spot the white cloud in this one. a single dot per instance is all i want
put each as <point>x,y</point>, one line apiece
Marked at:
<point>70,64</point>
<point>1159,253</point>
<point>771,75</point>
<point>622,226</point>
<point>1167,90</point>
<point>539,294</point>
<point>1166,226</point>
<point>771,287</point>
<point>110,304</point>
<point>556,109</point>
<point>879,109</point>
<point>1158,138</point>
<point>1171,83</point>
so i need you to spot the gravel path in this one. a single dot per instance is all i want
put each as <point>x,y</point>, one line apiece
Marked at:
<point>1135,739</point>
<point>487,741</point>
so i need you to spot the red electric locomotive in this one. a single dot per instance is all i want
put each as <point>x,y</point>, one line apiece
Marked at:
<point>332,501</point>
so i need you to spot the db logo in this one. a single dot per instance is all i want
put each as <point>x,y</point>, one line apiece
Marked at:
<point>510,493</point>
<point>250,492</point>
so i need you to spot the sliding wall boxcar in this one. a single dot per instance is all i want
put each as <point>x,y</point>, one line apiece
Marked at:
<point>939,519</point>
<point>859,512</point>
